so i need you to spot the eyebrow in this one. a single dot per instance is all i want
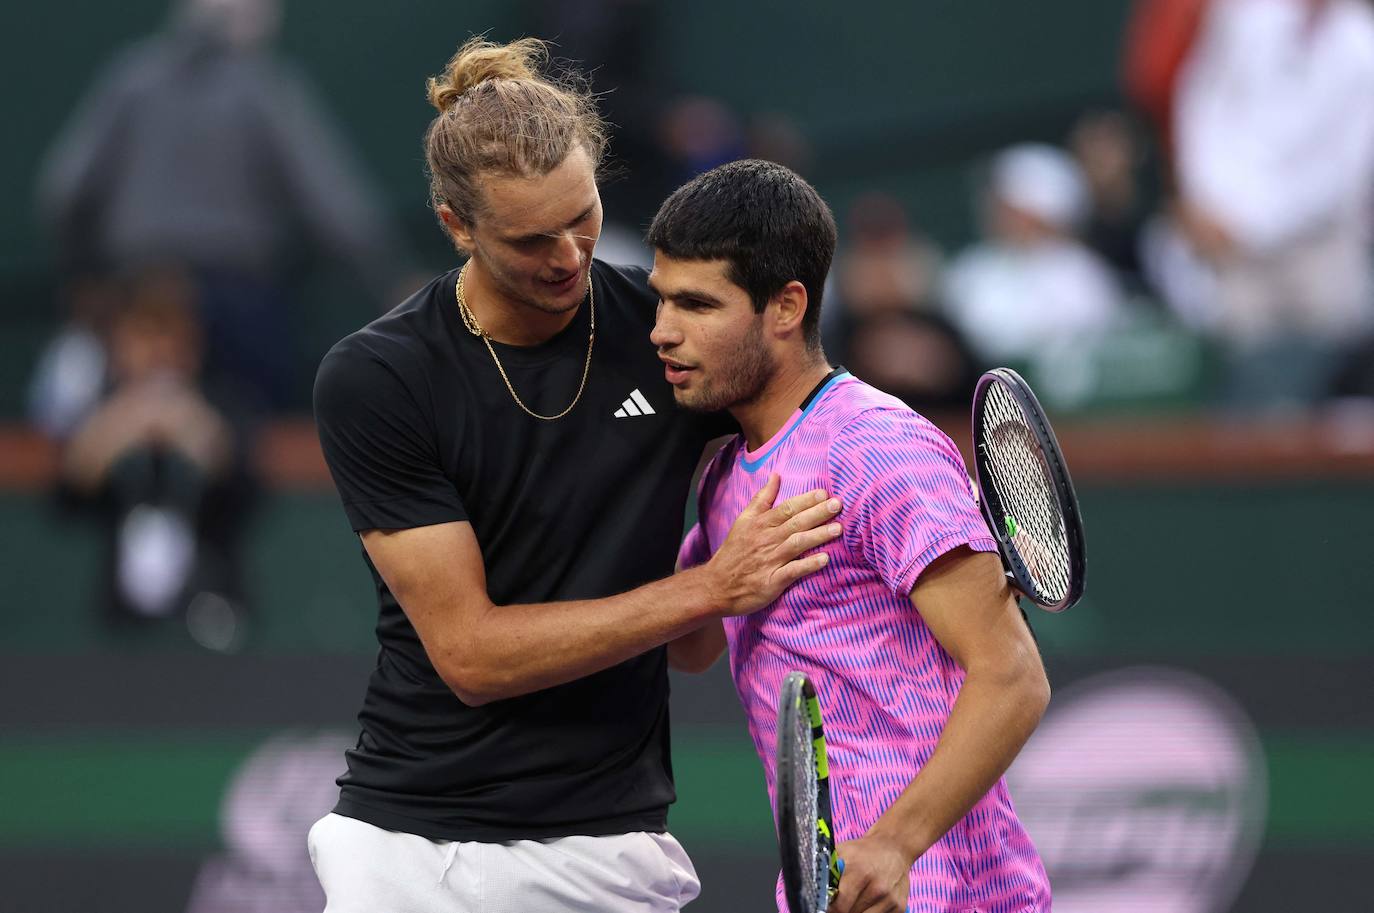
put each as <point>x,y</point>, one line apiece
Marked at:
<point>534,236</point>
<point>680,294</point>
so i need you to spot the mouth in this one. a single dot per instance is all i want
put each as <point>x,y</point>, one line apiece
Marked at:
<point>675,372</point>
<point>564,285</point>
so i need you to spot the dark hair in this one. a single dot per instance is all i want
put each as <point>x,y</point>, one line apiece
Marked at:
<point>765,220</point>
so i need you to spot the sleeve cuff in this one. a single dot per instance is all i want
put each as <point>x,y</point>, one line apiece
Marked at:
<point>906,579</point>
<point>401,513</point>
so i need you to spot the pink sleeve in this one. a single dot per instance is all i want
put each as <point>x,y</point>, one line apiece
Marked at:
<point>906,492</point>
<point>694,549</point>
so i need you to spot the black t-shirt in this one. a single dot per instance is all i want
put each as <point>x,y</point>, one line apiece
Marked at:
<point>419,428</point>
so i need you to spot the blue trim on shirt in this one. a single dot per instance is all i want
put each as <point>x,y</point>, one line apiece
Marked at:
<point>753,466</point>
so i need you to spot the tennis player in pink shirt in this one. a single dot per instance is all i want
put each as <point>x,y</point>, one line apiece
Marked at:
<point>929,678</point>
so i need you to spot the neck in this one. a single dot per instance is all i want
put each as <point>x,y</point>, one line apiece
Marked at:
<point>765,415</point>
<point>508,320</point>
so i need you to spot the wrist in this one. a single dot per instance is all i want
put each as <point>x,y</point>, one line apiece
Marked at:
<point>909,841</point>
<point>706,595</point>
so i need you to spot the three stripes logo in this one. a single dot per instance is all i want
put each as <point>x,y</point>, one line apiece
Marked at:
<point>635,404</point>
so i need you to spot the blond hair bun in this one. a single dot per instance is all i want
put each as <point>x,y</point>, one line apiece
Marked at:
<point>479,60</point>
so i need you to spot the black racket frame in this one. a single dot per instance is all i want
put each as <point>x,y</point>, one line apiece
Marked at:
<point>794,697</point>
<point>1062,484</point>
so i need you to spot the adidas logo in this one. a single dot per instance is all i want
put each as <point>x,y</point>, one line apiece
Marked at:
<point>636,404</point>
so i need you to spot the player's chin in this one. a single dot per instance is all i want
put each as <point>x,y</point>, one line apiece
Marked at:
<point>683,398</point>
<point>694,399</point>
<point>565,294</point>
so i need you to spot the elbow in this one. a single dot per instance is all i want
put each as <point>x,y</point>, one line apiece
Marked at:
<point>468,688</point>
<point>1023,684</point>
<point>1032,687</point>
<point>476,690</point>
<point>471,698</point>
<point>471,681</point>
<point>472,668</point>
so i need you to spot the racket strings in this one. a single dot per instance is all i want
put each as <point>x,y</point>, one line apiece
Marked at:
<point>1026,493</point>
<point>804,811</point>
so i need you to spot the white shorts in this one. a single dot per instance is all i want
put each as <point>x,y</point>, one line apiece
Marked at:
<point>365,869</point>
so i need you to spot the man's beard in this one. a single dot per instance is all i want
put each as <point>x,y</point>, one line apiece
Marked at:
<point>522,293</point>
<point>743,374</point>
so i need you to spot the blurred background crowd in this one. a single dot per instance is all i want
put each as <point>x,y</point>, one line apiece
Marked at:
<point>1149,207</point>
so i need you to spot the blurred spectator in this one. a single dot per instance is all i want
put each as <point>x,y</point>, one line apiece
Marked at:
<point>69,378</point>
<point>162,468</point>
<point>200,146</point>
<point>1159,38</point>
<point>1031,283</point>
<point>698,134</point>
<point>1177,273</point>
<point>1110,154</point>
<point>884,325</point>
<point>1354,375</point>
<point>884,264</point>
<point>1274,152</point>
<point>917,356</point>
<point>775,137</point>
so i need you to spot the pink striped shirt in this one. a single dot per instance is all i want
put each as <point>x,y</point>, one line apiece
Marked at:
<point>886,685</point>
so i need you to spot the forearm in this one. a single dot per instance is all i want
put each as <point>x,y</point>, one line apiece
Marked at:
<point>994,715</point>
<point>515,649</point>
<point>486,652</point>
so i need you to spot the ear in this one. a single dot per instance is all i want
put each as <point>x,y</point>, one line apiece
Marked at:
<point>788,307</point>
<point>459,230</point>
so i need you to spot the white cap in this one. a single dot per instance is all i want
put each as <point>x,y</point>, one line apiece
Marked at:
<point>1042,181</point>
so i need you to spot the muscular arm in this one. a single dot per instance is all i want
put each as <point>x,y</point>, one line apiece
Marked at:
<point>486,652</point>
<point>964,599</point>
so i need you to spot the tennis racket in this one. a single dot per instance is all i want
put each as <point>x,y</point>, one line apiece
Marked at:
<point>806,838</point>
<point>1027,496</point>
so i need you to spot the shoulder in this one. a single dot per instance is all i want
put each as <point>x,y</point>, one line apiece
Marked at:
<point>851,405</point>
<point>888,460</point>
<point>625,289</point>
<point>866,425</point>
<point>392,351</point>
<point>623,276</point>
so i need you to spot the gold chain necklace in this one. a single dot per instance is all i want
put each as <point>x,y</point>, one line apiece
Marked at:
<point>475,328</point>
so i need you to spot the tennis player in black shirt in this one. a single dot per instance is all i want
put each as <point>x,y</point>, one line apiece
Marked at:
<point>509,452</point>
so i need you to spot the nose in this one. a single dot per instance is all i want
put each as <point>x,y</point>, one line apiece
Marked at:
<point>665,333</point>
<point>567,256</point>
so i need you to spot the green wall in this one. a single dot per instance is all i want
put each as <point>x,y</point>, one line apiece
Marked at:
<point>131,742</point>
<point>1173,570</point>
